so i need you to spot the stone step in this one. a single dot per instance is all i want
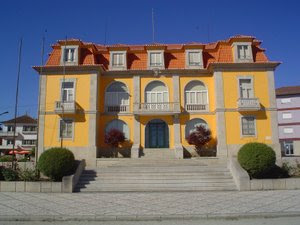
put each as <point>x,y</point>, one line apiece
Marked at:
<point>156,189</point>
<point>155,181</point>
<point>155,176</point>
<point>166,170</point>
<point>156,185</point>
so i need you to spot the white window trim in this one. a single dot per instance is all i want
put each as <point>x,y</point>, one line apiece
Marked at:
<point>162,58</point>
<point>285,100</point>
<point>111,66</point>
<point>145,90</point>
<point>291,115</point>
<point>185,91</point>
<point>290,128</point>
<point>76,55</point>
<point>240,77</point>
<point>235,49</point>
<point>288,143</point>
<point>241,127</point>
<point>73,129</point>
<point>108,104</point>
<point>67,80</point>
<point>187,62</point>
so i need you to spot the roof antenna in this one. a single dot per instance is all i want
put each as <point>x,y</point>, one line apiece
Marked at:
<point>152,25</point>
<point>208,32</point>
<point>39,99</point>
<point>105,32</point>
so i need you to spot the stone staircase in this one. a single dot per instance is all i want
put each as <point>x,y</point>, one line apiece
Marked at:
<point>148,175</point>
<point>157,153</point>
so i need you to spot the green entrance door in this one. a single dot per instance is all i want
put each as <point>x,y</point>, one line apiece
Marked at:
<point>158,137</point>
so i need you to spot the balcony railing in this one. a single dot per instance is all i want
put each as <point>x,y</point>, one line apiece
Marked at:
<point>248,104</point>
<point>117,108</point>
<point>66,107</point>
<point>196,107</point>
<point>10,146</point>
<point>8,133</point>
<point>157,108</point>
<point>29,131</point>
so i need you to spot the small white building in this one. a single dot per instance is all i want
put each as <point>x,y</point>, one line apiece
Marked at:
<point>25,135</point>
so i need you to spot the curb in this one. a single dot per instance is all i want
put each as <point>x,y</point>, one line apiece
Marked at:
<point>228,216</point>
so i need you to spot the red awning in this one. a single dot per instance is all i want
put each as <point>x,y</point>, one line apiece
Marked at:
<point>18,152</point>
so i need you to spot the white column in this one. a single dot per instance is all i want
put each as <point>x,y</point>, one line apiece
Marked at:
<point>176,122</point>
<point>273,114</point>
<point>93,118</point>
<point>135,149</point>
<point>41,125</point>
<point>177,137</point>
<point>220,115</point>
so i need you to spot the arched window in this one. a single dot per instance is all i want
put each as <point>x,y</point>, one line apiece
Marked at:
<point>196,97</point>
<point>191,125</point>
<point>156,92</point>
<point>117,97</point>
<point>119,125</point>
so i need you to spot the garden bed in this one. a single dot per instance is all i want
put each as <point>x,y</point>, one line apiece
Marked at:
<point>67,184</point>
<point>244,183</point>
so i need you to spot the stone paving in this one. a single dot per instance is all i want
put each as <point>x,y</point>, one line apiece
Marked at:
<point>148,205</point>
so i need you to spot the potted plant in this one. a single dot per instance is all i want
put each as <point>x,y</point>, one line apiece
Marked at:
<point>114,138</point>
<point>199,138</point>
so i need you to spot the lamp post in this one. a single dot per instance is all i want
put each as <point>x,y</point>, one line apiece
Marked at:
<point>3,113</point>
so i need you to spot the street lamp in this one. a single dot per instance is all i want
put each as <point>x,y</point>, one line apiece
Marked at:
<point>3,113</point>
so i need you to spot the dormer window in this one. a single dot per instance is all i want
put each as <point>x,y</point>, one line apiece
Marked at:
<point>194,59</point>
<point>69,55</point>
<point>156,59</point>
<point>118,60</point>
<point>242,52</point>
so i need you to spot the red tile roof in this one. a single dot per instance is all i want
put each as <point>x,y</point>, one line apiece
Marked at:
<point>94,54</point>
<point>290,90</point>
<point>25,119</point>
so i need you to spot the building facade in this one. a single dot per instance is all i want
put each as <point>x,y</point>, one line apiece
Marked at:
<point>157,94</point>
<point>288,104</point>
<point>25,134</point>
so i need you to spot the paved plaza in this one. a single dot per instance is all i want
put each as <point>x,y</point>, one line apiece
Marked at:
<point>143,206</point>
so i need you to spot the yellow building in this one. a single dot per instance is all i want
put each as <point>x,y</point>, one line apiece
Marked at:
<point>156,94</point>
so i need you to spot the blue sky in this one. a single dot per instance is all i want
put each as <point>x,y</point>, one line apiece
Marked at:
<point>276,23</point>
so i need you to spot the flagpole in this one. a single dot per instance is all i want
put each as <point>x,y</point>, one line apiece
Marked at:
<point>16,105</point>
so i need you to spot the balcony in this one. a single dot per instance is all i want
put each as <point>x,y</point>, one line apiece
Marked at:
<point>196,107</point>
<point>117,108</point>
<point>8,133</point>
<point>7,146</point>
<point>65,107</point>
<point>29,131</point>
<point>248,104</point>
<point>164,108</point>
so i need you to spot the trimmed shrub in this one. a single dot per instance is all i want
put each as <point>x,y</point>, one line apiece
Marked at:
<point>9,174</point>
<point>257,159</point>
<point>56,163</point>
<point>1,174</point>
<point>28,175</point>
<point>23,160</point>
<point>276,172</point>
<point>6,158</point>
